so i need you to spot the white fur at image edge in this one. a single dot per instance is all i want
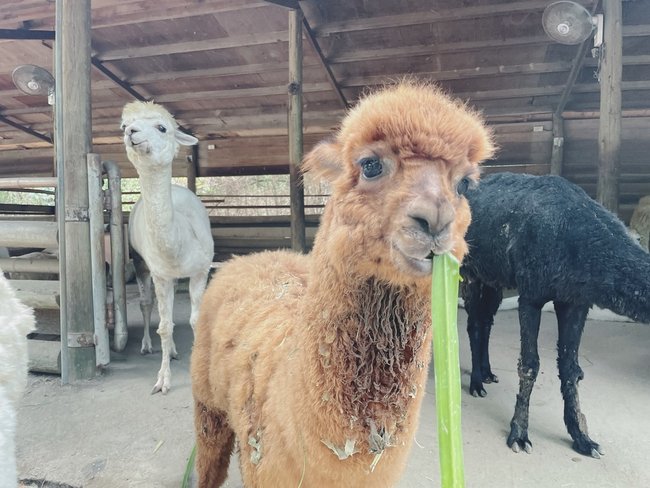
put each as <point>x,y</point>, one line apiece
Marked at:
<point>16,321</point>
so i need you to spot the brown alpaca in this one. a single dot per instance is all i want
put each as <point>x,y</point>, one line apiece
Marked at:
<point>317,364</point>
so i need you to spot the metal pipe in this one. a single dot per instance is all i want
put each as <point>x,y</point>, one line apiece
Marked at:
<point>118,247</point>
<point>22,182</point>
<point>29,265</point>
<point>60,200</point>
<point>25,233</point>
<point>96,216</point>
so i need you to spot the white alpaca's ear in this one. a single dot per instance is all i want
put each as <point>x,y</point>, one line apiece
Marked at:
<point>185,139</point>
<point>324,161</point>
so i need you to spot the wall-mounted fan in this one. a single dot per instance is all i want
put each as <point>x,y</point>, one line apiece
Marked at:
<point>34,80</point>
<point>570,23</point>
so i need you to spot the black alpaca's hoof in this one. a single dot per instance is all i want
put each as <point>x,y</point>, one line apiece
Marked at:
<point>490,378</point>
<point>476,389</point>
<point>518,441</point>
<point>585,446</point>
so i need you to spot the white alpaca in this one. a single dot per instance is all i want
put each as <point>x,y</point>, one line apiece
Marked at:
<point>640,221</point>
<point>16,321</point>
<point>169,226</point>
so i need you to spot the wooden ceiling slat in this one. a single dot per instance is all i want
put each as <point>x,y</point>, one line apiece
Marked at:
<point>352,56</point>
<point>457,74</point>
<point>423,50</point>
<point>430,17</point>
<point>195,46</point>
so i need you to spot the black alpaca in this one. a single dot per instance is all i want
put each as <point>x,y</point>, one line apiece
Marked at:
<point>550,240</point>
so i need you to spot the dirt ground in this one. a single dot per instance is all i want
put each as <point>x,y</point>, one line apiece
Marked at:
<point>111,433</point>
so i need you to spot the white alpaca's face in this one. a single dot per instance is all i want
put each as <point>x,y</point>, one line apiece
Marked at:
<point>152,139</point>
<point>150,136</point>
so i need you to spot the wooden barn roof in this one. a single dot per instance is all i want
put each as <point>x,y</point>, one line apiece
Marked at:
<point>221,66</point>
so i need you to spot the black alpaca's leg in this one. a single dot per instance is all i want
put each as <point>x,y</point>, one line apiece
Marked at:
<point>571,322</point>
<point>214,444</point>
<point>481,303</point>
<point>529,317</point>
<point>492,298</point>
<point>472,297</point>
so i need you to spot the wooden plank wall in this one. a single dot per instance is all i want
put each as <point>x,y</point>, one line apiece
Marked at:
<point>581,159</point>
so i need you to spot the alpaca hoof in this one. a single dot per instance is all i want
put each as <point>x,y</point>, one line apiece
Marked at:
<point>518,441</point>
<point>477,390</point>
<point>585,446</point>
<point>520,444</point>
<point>160,387</point>
<point>490,378</point>
<point>146,347</point>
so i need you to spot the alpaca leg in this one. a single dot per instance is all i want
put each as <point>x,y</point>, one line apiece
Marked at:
<point>481,303</point>
<point>197,287</point>
<point>492,298</point>
<point>529,318</point>
<point>472,297</point>
<point>143,277</point>
<point>165,297</point>
<point>214,444</point>
<point>571,322</point>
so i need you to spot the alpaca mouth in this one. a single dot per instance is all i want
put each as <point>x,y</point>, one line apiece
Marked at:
<point>420,266</point>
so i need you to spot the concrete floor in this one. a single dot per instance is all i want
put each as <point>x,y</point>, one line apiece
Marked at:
<point>110,432</point>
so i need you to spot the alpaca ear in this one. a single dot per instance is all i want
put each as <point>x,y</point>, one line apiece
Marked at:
<point>324,161</point>
<point>185,139</point>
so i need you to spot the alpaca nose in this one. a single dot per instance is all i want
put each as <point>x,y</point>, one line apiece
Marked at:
<point>130,130</point>
<point>433,219</point>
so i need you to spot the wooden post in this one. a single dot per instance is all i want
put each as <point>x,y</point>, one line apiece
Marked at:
<point>296,189</point>
<point>557,152</point>
<point>192,168</point>
<point>74,106</point>
<point>609,129</point>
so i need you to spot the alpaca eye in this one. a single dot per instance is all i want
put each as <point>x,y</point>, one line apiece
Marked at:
<point>463,186</point>
<point>371,167</point>
<point>162,128</point>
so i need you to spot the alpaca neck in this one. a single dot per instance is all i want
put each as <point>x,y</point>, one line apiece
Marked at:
<point>156,194</point>
<point>369,346</point>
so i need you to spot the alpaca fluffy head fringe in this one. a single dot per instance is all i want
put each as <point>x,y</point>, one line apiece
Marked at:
<point>136,109</point>
<point>415,118</point>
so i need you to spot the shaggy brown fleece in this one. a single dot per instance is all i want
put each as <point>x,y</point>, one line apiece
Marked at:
<point>317,364</point>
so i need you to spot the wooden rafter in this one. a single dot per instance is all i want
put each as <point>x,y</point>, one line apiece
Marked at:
<point>26,34</point>
<point>311,38</point>
<point>25,129</point>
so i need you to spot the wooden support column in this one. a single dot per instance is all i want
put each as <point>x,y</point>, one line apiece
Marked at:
<point>296,189</point>
<point>192,168</point>
<point>75,117</point>
<point>557,152</point>
<point>609,129</point>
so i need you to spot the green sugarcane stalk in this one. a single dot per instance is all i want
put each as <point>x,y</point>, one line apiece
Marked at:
<point>444,308</point>
<point>189,467</point>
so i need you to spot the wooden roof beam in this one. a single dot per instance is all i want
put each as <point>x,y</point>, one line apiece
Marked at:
<point>126,86</point>
<point>25,129</point>
<point>311,38</point>
<point>26,34</point>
